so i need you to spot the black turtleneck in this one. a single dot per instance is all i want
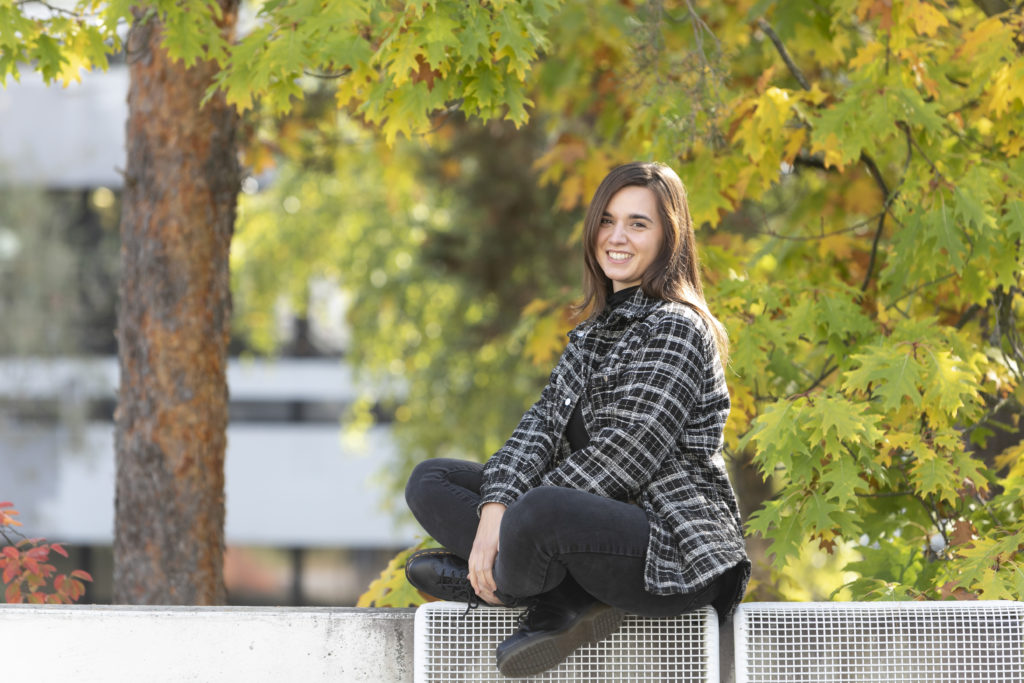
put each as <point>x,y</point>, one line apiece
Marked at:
<point>575,430</point>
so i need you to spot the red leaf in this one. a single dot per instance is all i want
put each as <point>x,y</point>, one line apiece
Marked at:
<point>81,574</point>
<point>10,572</point>
<point>13,594</point>
<point>36,598</point>
<point>38,553</point>
<point>6,504</point>
<point>33,566</point>
<point>58,583</point>
<point>59,549</point>
<point>11,552</point>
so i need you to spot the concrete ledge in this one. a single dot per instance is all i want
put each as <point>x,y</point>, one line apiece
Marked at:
<point>130,644</point>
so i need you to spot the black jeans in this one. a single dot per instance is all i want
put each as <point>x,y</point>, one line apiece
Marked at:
<point>550,533</point>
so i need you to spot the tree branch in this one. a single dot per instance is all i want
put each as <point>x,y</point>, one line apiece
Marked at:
<point>55,10</point>
<point>889,197</point>
<point>917,289</point>
<point>790,64</point>
<point>820,236</point>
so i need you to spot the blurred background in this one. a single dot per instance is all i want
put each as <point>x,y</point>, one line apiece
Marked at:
<point>407,252</point>
<point>308,522</point>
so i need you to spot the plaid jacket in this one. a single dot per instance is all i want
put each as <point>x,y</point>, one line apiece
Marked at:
<point>654,404</point>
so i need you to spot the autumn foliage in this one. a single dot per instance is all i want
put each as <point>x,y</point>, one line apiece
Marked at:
<point>854,168</point>
<point>26,572</point>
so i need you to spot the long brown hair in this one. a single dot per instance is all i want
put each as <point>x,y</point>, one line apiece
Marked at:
<point>675,273</point>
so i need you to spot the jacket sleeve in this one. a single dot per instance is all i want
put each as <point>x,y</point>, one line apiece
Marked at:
<point>517,466</point>
<point>640,422</point>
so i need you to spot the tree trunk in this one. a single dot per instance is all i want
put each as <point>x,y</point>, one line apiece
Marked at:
<point>178,214</point>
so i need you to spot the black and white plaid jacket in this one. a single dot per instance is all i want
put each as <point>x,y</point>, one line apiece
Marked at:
<point>654,401</point>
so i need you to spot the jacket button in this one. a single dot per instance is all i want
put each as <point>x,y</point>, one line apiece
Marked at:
<point>567,401</point>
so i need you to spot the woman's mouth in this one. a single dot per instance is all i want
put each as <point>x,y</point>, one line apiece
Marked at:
<point>618,256</point>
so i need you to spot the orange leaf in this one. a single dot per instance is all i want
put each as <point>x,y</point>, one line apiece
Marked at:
<point>13,594</point>
<point>59,549</point>
<point>963,532</point>
<point>81,574</point>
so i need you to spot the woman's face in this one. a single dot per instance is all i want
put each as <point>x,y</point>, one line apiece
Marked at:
<point>629,236</point>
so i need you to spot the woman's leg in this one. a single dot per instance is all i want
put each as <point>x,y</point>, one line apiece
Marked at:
<point>552,532</point>
<point>443,495</point>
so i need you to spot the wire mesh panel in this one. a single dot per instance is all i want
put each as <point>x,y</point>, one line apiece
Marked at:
<point>837,642</point>
<point>453,645</point>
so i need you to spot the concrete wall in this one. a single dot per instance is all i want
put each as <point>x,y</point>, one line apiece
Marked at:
<point>155,644</point>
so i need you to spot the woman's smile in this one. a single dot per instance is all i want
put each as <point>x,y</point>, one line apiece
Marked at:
<point>630,236</point>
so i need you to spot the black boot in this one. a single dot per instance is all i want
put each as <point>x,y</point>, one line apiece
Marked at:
<point>553,627</point>
<point>441,574</point>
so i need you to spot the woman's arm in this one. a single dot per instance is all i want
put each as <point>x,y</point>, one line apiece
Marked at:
<point>642,424</point>
<point>484,552</point>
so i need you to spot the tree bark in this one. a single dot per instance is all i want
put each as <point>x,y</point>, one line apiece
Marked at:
<point>178,214</point>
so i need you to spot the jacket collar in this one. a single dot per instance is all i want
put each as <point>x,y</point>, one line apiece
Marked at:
<point>639,305</point>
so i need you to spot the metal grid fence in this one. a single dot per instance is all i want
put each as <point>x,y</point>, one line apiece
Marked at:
<point>452,645</point>
<point>924,642</point>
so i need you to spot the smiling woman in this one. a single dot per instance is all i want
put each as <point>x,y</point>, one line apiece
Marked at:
<point>629,237</point>
<point>623,449</point>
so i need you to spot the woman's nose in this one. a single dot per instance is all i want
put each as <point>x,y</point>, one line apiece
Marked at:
<point>618,235</point>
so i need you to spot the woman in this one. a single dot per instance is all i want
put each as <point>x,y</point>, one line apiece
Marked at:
<point>611,495</point>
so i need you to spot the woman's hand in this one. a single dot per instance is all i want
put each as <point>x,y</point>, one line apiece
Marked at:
<point>484,552</point>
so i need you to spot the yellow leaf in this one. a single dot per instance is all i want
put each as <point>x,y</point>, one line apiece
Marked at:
<point>404,63</point>
<point>982,34</point>
<point>1014,458</point>
<point>1013,146</point>
<point>570,193</point>
<point>867,54</point>
<point>833,155</point>
<point>536,306</point>
<point>838,246</point>
<point>815,95</point>
<point>794,142</point>
<point>927,19</point>
<point>391,589</point>
<point>547,339</point>
<point>1006,87</point>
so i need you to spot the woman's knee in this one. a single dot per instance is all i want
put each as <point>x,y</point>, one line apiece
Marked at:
<point>535,510</point>
<point>435,478</point>
<point>423,477</point>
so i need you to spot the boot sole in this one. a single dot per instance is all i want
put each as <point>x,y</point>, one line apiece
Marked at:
<point>542,652</point>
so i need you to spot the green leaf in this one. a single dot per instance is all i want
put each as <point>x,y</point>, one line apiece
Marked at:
<point>818,512</point>
<point>781,527</point>
<point>933,474</point>
<point>893,374</point>
<point>841,480</point>
<point>779,437</point>
<point>48,56</point>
